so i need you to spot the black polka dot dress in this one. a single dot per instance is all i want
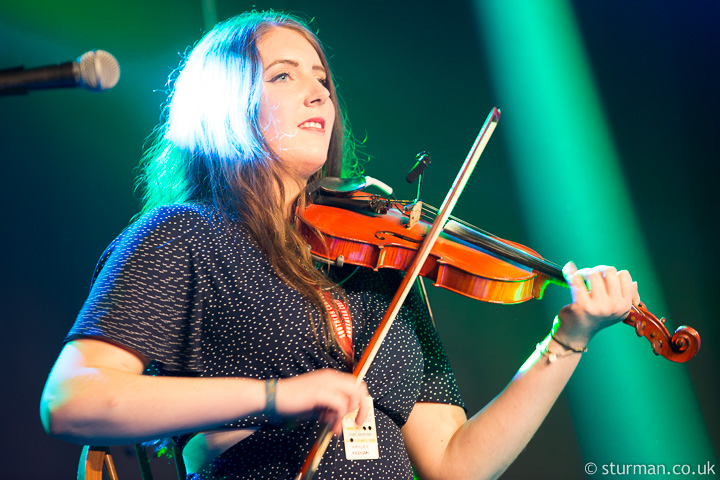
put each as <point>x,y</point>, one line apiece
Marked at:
<point>199,299</point>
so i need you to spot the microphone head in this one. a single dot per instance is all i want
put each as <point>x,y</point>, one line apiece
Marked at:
<point>98,70</point>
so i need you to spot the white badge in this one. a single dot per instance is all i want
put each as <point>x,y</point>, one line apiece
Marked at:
<point>361,441</point>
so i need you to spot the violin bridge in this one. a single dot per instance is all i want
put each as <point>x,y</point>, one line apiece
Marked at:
<point>413,212</point>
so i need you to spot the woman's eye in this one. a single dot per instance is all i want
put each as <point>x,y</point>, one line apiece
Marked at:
<point>324,82</point>
<point>284,76</point>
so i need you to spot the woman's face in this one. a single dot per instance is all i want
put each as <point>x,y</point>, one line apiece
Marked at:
<point>296,113</point>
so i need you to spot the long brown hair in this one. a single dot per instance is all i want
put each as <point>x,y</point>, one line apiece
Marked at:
<point>211,150</point>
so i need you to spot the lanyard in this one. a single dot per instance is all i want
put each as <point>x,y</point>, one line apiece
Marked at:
<point>342,325</point>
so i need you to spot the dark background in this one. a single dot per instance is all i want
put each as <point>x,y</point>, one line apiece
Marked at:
<point>414,76</point>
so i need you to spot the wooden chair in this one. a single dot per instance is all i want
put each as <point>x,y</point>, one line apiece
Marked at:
<point>94,459</point>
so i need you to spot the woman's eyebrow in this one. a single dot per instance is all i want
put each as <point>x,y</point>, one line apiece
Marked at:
<point>293,63</point>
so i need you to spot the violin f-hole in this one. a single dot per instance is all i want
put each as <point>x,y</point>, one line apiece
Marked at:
<point>379,236</point>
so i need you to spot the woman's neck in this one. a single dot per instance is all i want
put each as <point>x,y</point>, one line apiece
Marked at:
<point>293,188</point>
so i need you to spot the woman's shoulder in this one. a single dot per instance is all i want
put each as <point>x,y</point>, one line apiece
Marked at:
<point>167,225</point>
<point>167,234</point>
<point>188,214</point>
<point>176,218</point>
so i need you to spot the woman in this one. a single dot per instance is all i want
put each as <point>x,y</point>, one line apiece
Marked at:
<point>208,323</point>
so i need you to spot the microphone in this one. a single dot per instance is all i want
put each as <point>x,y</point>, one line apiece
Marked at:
<point>94,70</point>
<point>422,160</point>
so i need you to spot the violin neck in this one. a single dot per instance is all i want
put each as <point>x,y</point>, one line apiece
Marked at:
<point>506,251</point>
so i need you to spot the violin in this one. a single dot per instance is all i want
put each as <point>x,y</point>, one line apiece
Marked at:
<point>371,231</point>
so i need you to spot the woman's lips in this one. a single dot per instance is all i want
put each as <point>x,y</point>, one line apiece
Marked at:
<point>317,124</point>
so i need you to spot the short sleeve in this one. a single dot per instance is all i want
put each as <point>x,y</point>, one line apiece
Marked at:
<point>147,290</point>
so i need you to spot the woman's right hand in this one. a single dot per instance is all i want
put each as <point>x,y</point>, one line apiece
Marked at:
<point>96,393</point>
<point>330,393</point>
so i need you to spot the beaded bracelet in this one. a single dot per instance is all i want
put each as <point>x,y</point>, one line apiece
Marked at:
<point>544,346</point>
<point>552,356</point>
<point>553,331</point>
<point>567,347</point>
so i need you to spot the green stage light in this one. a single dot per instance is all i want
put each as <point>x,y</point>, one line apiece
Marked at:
<point>628,406</point>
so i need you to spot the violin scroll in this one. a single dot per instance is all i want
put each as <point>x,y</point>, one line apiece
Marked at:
<point>680,347</point>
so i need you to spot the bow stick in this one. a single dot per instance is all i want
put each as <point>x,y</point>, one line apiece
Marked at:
<point>312,461</point>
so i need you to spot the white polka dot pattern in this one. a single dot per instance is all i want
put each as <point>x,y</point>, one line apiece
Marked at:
<point>200,299</point>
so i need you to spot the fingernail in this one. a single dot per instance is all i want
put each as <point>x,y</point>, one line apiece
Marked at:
<point>568,268</point>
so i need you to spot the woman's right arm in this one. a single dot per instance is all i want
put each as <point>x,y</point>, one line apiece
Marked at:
<point>96,394</point>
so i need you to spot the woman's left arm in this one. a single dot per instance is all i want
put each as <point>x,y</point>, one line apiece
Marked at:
<point>442,443</point>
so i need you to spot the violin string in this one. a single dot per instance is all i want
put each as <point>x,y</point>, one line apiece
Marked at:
<point>431,212</point>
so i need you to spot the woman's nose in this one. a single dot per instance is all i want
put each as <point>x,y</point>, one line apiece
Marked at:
<point>317,93</point>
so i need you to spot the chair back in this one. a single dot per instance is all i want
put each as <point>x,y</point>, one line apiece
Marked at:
<point>94,459</point>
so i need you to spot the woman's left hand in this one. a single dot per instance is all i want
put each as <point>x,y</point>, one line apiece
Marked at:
<point>602,296</point>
